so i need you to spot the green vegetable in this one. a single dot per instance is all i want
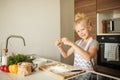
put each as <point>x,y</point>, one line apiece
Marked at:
<point>14,59</point>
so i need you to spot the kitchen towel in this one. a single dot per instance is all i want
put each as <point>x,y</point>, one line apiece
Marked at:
<point>111,52</point>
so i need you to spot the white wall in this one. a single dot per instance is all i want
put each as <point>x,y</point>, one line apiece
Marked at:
<point>38,21</point>
<point>67,20</point>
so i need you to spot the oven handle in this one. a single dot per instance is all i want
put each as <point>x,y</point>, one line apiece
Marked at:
<point>104,43</point>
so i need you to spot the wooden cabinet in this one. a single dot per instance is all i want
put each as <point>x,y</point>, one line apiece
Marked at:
<point>106,10</point>
<point>89,8</point>
<point>103,5</point>
<point>108,22</point>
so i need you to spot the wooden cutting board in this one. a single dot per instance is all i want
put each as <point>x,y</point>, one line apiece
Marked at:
<point>61,75</point>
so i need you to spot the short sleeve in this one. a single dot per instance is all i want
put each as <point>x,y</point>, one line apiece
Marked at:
<point>94,43</point>
<point>76,42</point>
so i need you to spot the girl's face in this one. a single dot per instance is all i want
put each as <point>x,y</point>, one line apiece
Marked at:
<point>83,30</point>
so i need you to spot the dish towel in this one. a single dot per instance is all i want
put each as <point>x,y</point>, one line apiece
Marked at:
<point>111,52</point>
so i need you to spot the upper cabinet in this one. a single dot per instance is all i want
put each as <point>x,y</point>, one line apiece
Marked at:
<point>108,17</point>
<point>104,5</point>
<point>89,8</point>
<point>108,22</point>
<point>102,13</point>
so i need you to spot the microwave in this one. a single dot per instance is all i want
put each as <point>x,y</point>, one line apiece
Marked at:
<point>111,25</point>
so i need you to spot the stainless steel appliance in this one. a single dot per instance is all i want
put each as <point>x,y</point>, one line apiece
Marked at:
<point>112,25</point>
<point>97,76</point>
<point>94,76</point>
<point>109,51</point>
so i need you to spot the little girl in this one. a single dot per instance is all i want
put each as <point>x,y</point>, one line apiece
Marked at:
<point>85,48</point>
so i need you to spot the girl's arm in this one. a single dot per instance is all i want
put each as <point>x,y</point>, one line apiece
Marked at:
<point>86,54</point>
<point>65,53</point>
<point>62,50</point>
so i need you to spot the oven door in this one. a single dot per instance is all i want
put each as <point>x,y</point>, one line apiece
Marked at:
<point>102,60</point>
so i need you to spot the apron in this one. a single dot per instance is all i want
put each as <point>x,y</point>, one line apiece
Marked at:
<point>80,62</point>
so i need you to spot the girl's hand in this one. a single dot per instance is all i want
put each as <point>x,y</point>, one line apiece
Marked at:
<point>66,41</point>
<point>58,43</point>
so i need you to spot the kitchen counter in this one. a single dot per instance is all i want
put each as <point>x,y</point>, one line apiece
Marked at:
<point>46,75</point>
<point>41,75</point>
<point>38,75</point>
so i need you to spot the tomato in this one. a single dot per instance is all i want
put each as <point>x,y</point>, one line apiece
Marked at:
<point>4,68</point>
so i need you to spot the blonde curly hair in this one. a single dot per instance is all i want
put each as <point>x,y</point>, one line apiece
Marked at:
<point>82,17</point>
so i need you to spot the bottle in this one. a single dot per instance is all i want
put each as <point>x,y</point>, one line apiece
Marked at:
<point>4,58</point>
<point>0,59</point>
<point>0,54</point>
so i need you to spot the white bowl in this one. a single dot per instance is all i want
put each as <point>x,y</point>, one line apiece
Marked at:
<point>39,61</point>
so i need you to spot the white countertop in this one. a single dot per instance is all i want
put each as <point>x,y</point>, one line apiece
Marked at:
<point>38,75</point>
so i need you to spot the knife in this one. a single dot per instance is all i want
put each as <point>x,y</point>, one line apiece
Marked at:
<point>76,70</point>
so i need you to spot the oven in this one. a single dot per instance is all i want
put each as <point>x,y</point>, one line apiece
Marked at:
<point>109,51</point>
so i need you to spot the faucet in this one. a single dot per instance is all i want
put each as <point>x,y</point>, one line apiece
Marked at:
<point>13,36</point>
